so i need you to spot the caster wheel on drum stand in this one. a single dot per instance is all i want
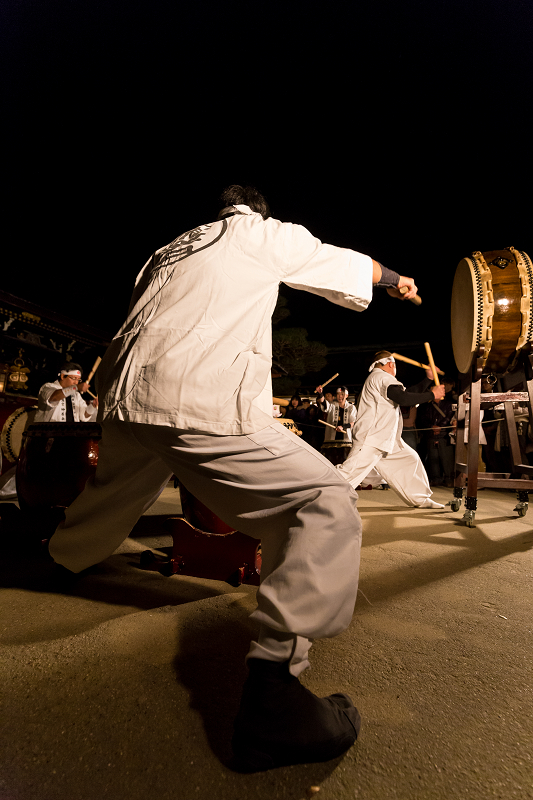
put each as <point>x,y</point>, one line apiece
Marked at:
<point>167,569</point>
<point>469,518</point>
<point>455,504</point>
<point>521,509</point>
<point>153,563</point>
<point>148,559</point>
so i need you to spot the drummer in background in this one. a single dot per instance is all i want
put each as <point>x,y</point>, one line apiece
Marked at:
<point>61,400</point>
<point>377,442</point>
<point>312,431</point>
<point>341,414</point>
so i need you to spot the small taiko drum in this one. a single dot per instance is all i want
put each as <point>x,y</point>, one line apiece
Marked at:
<point>336,451</point>
<point>492,308</point>
<point>55,462</point>
<point>289,424</point>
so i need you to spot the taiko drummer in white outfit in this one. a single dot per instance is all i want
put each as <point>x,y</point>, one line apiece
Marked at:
<point>61,400</point>
<point>185,389</point>
<point>377,435</point>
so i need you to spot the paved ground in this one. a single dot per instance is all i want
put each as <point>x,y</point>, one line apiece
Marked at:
<point>126,688</point>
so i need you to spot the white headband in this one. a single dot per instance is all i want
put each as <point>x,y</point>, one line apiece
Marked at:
<point>381,361</point>
<point>71,372</point>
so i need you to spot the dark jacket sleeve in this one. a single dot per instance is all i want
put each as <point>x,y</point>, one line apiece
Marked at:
<point>412,396</point>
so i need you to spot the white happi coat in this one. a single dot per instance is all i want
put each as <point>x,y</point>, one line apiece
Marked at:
<point>379,421</point>
<point>334,410</point>
<point>195,351</point>
<point>56,410</point>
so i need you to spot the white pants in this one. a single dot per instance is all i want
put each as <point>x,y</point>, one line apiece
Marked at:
<point>270,485</point>
<point>373,479</point>
<point>402,469</point>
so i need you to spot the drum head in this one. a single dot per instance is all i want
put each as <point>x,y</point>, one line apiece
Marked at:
<point>14,427</point>
<point>288,423</point>
<point>464,322</point>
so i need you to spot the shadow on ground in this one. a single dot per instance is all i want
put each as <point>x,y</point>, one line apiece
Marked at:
<point>211,666</point>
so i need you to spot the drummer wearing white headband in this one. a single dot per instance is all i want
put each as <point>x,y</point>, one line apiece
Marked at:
<point>61,400</point>
<point>377,434</point>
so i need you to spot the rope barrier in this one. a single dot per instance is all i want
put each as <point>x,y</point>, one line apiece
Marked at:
<point>417,430</point>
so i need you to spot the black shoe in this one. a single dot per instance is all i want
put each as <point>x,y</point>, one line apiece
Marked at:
<point>280,722</point>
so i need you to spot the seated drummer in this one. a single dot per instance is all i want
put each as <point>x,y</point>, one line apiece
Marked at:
<point>61,400</point>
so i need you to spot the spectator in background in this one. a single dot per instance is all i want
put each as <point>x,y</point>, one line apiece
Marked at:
<point>295,408</point>
<point>440,452</point>
<point>312,430</point>
<point>409,432</point>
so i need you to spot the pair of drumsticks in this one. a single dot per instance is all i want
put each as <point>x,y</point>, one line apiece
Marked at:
<point>430,366</point>
<point>325,384</point>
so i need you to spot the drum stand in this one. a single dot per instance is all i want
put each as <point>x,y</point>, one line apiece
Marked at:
<point>230,557</point>
<point>467,453</point>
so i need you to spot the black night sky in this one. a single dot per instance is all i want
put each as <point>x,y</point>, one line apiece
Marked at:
<point>401,130</point>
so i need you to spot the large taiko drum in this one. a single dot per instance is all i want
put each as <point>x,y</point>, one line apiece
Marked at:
<point>55,462</point>
<point>492,308</point>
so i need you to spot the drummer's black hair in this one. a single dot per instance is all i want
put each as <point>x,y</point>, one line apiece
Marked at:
<point>344,389</point>
<point>245,195</point>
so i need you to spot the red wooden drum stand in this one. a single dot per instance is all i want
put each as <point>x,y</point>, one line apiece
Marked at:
<point>205,547</point>
<point>492,334</point>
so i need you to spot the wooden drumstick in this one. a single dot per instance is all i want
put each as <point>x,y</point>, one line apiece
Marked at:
<point>330,379</point>
<point>328,424</point>
<point>398,357</point>
<point>95,367</point>
<point>92,395</point>
<point>278,401</point>
<point>432,364</point>
<point>416,299</point>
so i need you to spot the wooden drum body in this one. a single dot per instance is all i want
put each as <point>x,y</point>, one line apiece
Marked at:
<point>492,308</point>
<point>55,462</point>
<point>336,451</point>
